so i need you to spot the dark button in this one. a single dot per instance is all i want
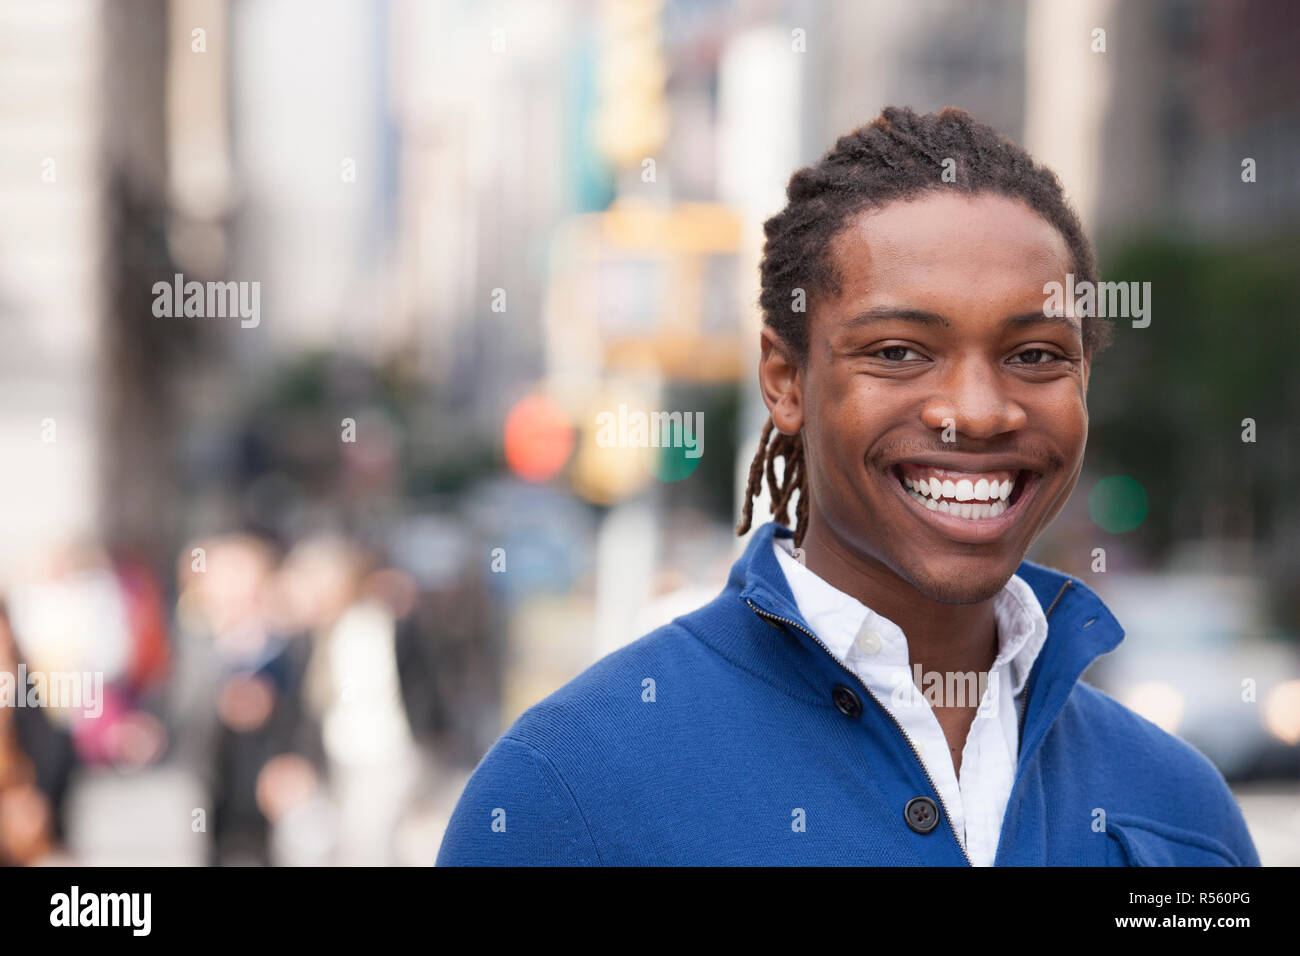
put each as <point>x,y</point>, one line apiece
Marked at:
<point>921,814</point>
<point>846,701</point>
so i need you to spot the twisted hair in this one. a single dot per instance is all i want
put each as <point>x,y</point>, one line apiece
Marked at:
<point>898,155</point>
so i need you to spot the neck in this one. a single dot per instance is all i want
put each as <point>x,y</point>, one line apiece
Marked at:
<point>940,637</point>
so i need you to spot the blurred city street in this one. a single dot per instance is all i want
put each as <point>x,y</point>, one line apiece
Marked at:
<point>330,325</point>
<point>114,818</point>
<point>144,818</point>
<point>1274,821</point>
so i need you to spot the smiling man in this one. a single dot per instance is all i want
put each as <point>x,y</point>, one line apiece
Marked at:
<point>890,683</point>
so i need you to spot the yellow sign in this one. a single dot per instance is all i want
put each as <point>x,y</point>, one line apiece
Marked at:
<point>648,288</point>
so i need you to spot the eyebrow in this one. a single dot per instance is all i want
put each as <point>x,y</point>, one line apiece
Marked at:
<point>886,313</point>
<point>1038,318</point>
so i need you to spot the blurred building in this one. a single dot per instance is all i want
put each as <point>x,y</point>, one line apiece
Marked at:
<point>455,210</point>
<point>52,180</point>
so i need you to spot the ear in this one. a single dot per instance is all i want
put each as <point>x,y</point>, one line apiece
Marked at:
<point>781,382</point>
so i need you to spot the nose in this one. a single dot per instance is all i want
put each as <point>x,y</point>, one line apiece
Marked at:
<point>972,397</point>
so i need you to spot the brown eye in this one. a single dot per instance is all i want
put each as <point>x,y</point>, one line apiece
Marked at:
<point>1039,356</point>
<point>896,353</point>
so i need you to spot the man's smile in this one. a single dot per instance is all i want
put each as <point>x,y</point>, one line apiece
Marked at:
<point>970,506</point>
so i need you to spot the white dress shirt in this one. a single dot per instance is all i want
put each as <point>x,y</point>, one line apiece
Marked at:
<point>875,649</point>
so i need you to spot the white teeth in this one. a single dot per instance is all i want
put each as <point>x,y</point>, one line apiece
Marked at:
<point>974,500</point>
<point>963,490</point>
<point>968,509</point>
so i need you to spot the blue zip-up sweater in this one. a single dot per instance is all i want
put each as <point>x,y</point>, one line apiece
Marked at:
<point>731,736</point>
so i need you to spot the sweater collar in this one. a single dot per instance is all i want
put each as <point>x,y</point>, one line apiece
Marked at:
<point>1080,628</point>
<point>840,619</point>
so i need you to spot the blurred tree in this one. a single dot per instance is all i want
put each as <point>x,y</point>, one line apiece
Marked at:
<point>1167,401</point>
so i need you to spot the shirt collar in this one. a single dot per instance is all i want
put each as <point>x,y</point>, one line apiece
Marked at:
<point>1080,628</point>
<point>1086,626</point>
<point>839,619</point>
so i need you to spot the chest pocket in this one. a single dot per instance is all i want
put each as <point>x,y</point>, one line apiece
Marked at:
<point>1144,842</point>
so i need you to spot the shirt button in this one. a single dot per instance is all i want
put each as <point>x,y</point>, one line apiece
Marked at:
<point>921,814</point>
<point>846,701</point>
<point>869,642</point>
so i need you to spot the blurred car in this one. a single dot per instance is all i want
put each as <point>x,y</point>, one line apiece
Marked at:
<point>1199,661</point>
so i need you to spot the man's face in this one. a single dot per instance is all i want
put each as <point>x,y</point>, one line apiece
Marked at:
<point>918,347</point>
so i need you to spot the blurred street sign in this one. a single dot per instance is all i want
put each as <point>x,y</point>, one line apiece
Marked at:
<point>645,288</point>
<point>631,120</point>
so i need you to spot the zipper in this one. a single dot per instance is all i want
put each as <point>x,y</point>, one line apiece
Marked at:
<point>947,818</point>
<point>1024,709</point>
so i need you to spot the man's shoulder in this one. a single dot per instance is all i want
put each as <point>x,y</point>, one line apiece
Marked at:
<point>1158,785</point>
<point>593,750</point>
<point>1130,735</point>
<point>600,705</point>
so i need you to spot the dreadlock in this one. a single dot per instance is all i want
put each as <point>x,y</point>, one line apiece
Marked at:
<point>900,154</point>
